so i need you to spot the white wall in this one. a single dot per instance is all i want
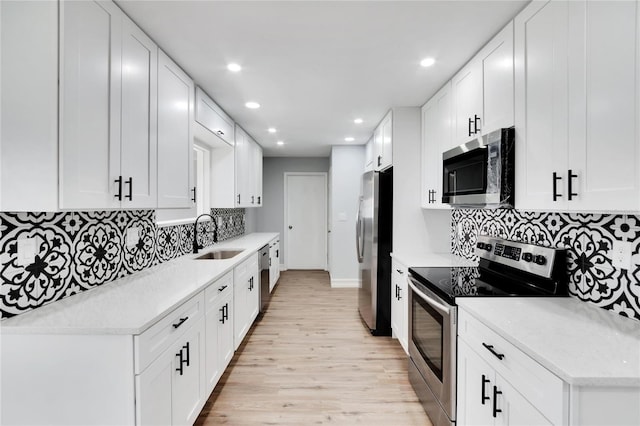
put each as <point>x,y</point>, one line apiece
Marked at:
<point>347,166</point>
<point>270,217</point>
<point>416,232</point>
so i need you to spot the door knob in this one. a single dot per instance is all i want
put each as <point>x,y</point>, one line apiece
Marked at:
<point>290,227</point>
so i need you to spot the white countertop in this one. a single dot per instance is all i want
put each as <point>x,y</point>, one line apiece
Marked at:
<point>132,304</point>
<point>432,260</point>
<point>580,343</point>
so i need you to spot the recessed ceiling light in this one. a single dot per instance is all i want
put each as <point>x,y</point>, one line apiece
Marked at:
<point>271,130</point>
<point>349,139</point>
<point>427,62</point>
<point>280,143</point>
<point>358,121</point>
<point>252,105</point>
<point>234,67</point>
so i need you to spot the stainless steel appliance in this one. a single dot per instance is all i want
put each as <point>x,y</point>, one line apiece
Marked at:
<point>506,268</point>
<point>373,244</point>
<point>480,173</point>
<point>265,295</point>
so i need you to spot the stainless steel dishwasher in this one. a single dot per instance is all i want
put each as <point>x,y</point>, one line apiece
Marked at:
<point>264,278</point>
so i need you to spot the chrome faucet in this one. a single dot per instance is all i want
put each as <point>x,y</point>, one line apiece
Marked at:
<point>197,246</point>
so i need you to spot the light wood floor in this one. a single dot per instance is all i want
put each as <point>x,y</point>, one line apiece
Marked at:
<point>309,360</point>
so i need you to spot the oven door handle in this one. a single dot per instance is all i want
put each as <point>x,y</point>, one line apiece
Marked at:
<point>445,310</point>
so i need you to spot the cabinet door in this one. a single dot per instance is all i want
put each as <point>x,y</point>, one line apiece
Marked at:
<point>175,146</point>
<point>467,102</point>
<point>90,89</point>
<point>377,148</point>
<point>241,284</point>
<point>213,320</point>
<point>243,196</point>
<point>138,118</point>
<point>497,81</point>
<point>225,334</point>
<point>399,323</point>
<point>541,90</point>
<point>516,410</point>
<point>153,391</point>
<point>211,116</point>
<point>257,178</point>
<point>368,155</point>
<point>188,384</point>
<point>436,138</point>
<point>253,296</point>
<point>476,379</point>
<point>604,121</point>
<point>387,142</point>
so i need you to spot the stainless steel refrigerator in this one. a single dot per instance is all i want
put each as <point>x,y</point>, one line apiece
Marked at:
<point>373,245</point>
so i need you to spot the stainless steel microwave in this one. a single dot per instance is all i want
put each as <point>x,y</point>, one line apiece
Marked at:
<point>480,173</point>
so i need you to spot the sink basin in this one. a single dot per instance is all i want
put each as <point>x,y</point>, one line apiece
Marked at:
<point>219,254</point>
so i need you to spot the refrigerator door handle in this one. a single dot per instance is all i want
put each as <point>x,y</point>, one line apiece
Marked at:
<point>359,233</point>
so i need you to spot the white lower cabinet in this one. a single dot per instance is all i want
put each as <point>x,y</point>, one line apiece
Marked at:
<point>399,305</point>
<point>218,328</point>
<point>274,263</point>
<point>172,389</point>
<point>246,297</point>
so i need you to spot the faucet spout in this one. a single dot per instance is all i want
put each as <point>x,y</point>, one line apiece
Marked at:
<point>197,246</point>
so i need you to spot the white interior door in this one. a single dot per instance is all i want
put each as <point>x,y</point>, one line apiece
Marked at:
<point>306,220</point>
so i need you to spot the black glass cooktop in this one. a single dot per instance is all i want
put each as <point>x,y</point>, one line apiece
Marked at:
<point>450,283</point>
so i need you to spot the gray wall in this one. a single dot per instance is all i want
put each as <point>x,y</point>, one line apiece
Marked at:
<point>270,217</point>
<point>347,166</point>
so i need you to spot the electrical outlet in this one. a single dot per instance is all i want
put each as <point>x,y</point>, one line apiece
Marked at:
<point>26,251</point>
<point>621,254</point>
<point>133,235</point>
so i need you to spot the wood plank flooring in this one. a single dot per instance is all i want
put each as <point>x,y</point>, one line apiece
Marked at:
<point>309,360</point>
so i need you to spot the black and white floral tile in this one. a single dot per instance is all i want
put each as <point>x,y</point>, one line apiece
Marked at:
<point>77,251</point>
<point>588,239</point>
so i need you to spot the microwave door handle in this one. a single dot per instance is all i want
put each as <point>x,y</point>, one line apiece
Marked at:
<point>453,183</point>
<point>443,309</point>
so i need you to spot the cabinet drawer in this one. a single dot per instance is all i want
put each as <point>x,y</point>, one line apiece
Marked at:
<point>218,290</point>
<point>150,344</point>
<point>545,390</point>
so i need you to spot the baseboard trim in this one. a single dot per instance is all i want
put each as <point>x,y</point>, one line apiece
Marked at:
<point>345,283</point>
<point>282,268</point>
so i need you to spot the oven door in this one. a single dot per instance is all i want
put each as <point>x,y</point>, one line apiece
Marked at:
<point>432,344</point>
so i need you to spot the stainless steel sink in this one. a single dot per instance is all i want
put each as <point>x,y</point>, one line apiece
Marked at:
<point>219,254</point>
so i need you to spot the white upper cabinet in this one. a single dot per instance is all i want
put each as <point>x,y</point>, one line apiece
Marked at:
<point>483,90</point>
<point>248,171</point>
<point>383,144</point>
<point>175,143</point>
<point>107,109</point>
<point>213,118</point>
<point>577,100</point>
<point>467,102</point>
<point>437,136</point>
<point>90,88</point>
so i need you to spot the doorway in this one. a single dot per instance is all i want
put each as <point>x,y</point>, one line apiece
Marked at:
<point>305,220</point>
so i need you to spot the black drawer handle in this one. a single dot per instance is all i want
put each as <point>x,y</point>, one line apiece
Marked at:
<point>484,381</point>
<point>496,392</point>
<point>259,199</point>
<point>220,132</point>
<point>400,271</point>
<point>490,349</point>
<point>179,323</point>
<point>222,288</point>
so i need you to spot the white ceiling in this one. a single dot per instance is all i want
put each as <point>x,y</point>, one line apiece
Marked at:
<point>314,66</point>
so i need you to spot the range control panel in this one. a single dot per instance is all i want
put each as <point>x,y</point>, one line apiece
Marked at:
<point>527,257</point>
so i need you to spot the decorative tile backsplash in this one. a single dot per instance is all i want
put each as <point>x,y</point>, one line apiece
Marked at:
<point>588,239</point>
<point>76,251</point>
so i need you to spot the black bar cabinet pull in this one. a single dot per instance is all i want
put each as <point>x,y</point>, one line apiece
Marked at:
<point>179,369</point>
<point>222,315</point>
<point>194,194</point>
<point>470,132</point>
<point>379,160</point>
<point>400,271</point>
<point>484,382</point>
<point>252,197</point>
<point>226,311</point>
<point>250,283</point>
<point>186,360</point>
<point>556,178</point>
<point>571,194</point>
<point>496,392</point>
<point>238,198</point>
<point>396,291</point>
<point>399,293</point>
<point>130,183</point>
<point>222,288</point>
<point>476,119</point>
<point>259,199</point>
<point>490,349</point>
<point>179,323</point>
<point>119,182</point>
